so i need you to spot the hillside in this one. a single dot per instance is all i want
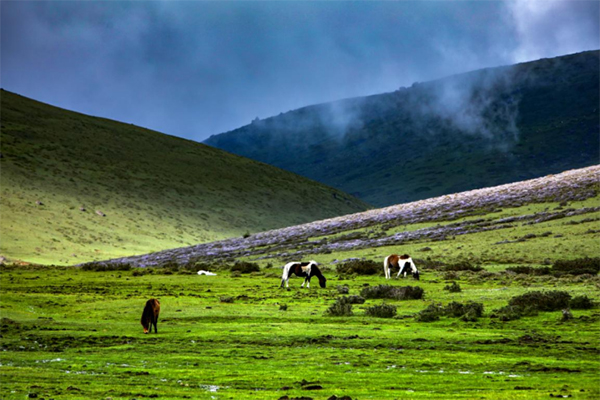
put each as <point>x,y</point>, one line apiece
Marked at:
<point>475,130</point>
<point>156,191</point>
<point>556,217</point>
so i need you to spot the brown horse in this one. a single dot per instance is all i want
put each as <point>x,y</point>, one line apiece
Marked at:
<point>402,263</point>
<point>150,315</point>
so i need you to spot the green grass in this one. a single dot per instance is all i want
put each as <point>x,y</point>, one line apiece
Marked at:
<point>73,334</point>
<point>157,191</point>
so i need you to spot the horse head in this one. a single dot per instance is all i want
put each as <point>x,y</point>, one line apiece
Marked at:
<point>322,281</point>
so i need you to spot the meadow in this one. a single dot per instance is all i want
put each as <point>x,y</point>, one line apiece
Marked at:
<point>74,332</point>
<point>68,333</point>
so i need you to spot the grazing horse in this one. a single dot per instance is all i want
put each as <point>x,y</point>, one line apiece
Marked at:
<point>150,315</point>
<point>402,263</point>
<point>302,269</point>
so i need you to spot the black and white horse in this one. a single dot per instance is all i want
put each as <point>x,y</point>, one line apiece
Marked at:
<point>304,270</point>
<point>403,263</point>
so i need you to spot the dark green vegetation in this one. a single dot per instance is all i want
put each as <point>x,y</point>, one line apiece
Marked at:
<point>155,191</point>
<point>469,131</point>
<point>525,323</point>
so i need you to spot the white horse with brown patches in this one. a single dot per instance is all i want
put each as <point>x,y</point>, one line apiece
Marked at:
<point>403,263</point>
<point>304,270</point>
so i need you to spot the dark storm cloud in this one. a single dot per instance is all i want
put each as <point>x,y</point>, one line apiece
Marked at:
<point>193,69</point>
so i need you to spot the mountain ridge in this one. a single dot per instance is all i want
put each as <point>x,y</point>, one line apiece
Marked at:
<point>471,130</point>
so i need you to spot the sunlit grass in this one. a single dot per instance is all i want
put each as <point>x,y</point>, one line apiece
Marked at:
<point>74,334</point>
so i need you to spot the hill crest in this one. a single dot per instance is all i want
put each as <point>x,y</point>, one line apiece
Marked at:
<point>472,130</point>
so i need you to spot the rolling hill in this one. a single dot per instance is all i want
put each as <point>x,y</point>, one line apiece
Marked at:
<point>469,131</point>
<point>525,222</point>
<point>77,188</point>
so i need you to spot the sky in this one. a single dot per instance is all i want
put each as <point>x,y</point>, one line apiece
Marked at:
<point>197,68</point>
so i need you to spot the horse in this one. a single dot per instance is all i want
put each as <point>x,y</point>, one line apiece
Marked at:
<point>402,263</point>
<point>150,315</point>
<point>302,269</point>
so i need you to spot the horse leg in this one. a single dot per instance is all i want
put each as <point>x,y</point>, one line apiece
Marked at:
<point>401,269</point>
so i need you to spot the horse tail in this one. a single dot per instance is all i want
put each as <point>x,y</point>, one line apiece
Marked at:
<point>286,272</point>
<point>386,266</point>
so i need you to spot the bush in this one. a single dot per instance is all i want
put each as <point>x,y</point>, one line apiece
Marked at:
<point>341,308</point>
<point>527,270</point>
<point>392,292</point>
<point>508,313</point>
<point>542,301</point>
<point>94,266</point>
<point>360,267</point>
<point>381,311</point>
<point>428,264</point>
<point>581,303</point>
<point>343,289</point>
<point>453,288</point>
<point>467,312</point>
<point>579,266</point>
<point>226,299</point>
<point>462,266</point>
<point>431,313</point>
<point>142,271</point>
<point>245,267</point>
<point>352,299</point>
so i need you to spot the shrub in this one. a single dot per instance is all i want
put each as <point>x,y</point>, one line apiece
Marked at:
<point>360,267</point>
<point>453,288</point>
<point>341,308</point>
<point>94,266</point>
<point>581,303</point>
<point>226,299</point>
<point>392,292</point>
<point>527,270</point>
<point>431,313</point>
<point>579,266</point>
<point>428,264</point>
<point>467,312</point>
<point>381,311</point>
<point>542,301</point>
<point>462,266</point>
<point>142,271</point>
<point>450,276</point>
<point>245,267</point>
<point>352,299</point>
<point>508,313</point>
<point>343,289</point>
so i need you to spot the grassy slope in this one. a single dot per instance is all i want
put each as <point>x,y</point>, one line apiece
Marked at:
<point>395,150</point>
<point>157,191</point>
<point>525,222</point>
